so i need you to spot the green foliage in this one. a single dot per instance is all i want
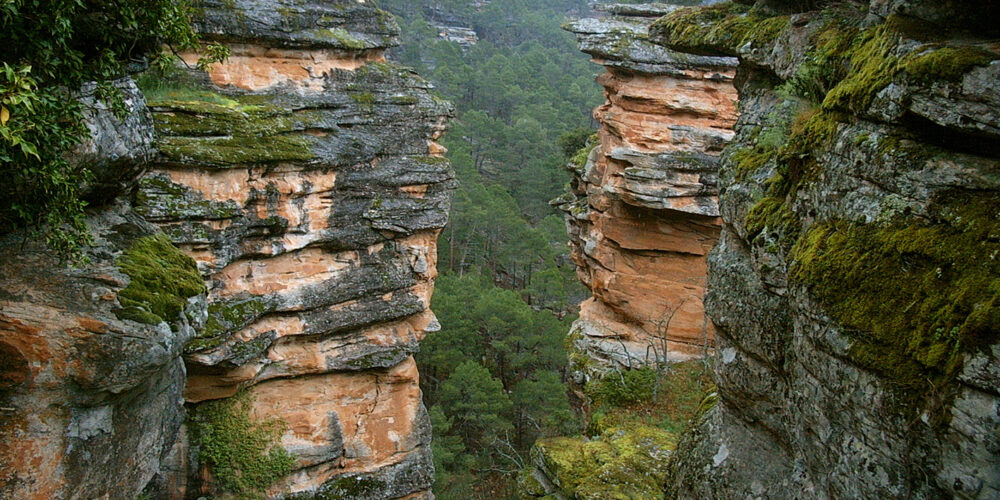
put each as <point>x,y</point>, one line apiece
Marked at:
<point>482,322</point>
<point>630,387</point>
<point>676,394</point>
<point>162,278</point>
<point>243,455</point>
<point>923,292</point>
<point>53,47</point>
<point>543,404</point>
<point>476,403</point>
<point>573,141</point>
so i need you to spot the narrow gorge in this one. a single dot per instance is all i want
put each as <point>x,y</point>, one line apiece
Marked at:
<point>786,225</point>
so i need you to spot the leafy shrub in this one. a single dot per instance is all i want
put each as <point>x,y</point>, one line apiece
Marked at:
<point>51,48</point>
<point>626,388</point>
<point>243,455</point>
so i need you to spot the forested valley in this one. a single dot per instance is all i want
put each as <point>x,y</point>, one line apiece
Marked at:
<point>492,378</point>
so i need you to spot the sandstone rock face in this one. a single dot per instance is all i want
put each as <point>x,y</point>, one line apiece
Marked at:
<point>303,176</point>
<point>643,213</point>
<point>90,396</point>
<point>91,375</point>
<point>854,287</point>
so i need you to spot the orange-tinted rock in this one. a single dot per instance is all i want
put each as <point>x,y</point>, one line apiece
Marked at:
<point>643,213</point>
<point>89,401</point>
<point>312,199</point>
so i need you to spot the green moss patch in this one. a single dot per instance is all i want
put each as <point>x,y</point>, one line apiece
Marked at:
<point>204,126</point>
<point>771,213</point>
<point>718,29</point>
<point>578,162</point>
<point>234,151</point>
<point>626,463</point>
<point>342,37</point>
<point>873,63</point>
<point>243,455</point>
<point>914,296</point>
<point>162,278</point>
<point>947,63</point>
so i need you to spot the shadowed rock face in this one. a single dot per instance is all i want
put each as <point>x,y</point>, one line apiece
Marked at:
<point>643,212</point>
<point>854,287</point>
<point>303,176</point>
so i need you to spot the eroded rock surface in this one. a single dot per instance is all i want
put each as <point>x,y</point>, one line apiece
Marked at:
<point>90,391</point>
<point>91,375</point>
<point>303,176</point>
<point>854,288</point>
<point>643,213</point>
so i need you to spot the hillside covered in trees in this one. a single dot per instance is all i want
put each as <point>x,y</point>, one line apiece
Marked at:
<point>523,94</point>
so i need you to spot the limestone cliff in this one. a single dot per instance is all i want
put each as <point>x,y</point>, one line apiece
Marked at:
<point>303,177</point>
<point>643,212</point>
<point>855,285</point>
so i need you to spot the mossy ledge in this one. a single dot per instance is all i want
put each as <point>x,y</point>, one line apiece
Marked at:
<point>921,295</point>
<point>224,318</point>
<point>722,29</point>
<point>162,278</point>
<point>243,455</point>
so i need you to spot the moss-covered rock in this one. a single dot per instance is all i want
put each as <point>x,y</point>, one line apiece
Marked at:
<point>621,464</point>
<point>162,278</point>
<point>946,63</point>
<point>226,317</point>
<point>922,293</point>
<point>721,29</point>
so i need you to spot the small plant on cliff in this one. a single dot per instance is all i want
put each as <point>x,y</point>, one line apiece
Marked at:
<point>52,48</point>
<point>243,455</point>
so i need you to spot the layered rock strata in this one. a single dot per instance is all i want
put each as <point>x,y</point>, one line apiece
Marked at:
<point>303,177</point>
<point>91,376</point>
<point>643,211</point>
<point>855,286</point>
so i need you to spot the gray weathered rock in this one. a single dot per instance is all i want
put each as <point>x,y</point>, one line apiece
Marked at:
<point>815,401</point>
<point>118,150</point>
<point>91,402</point>
<point>338,24</point>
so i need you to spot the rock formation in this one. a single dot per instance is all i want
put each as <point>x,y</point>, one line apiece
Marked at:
<point>91,374</point>
<point>855,285</point>
<point>643,212</point>
<point>303,177</point>
<point>274,275</point>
